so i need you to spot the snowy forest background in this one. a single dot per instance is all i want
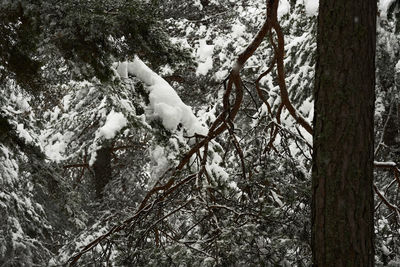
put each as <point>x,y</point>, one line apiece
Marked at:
<point>102,100</point>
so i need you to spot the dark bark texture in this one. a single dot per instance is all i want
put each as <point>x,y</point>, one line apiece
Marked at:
<point>342,177</point>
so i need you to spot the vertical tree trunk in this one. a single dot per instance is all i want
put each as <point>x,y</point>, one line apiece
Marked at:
<point>102,169</point>
<point>342,177</point>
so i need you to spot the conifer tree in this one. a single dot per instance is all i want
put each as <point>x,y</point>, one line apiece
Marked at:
<point>342,178</point>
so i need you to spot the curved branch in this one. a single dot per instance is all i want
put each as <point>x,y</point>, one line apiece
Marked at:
<point>280,51</point>
<point>228,114</point>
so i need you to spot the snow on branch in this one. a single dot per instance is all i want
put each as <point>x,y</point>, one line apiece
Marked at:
<point>164,101</point>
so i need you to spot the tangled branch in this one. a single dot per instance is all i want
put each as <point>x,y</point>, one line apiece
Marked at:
<point>223,122</point>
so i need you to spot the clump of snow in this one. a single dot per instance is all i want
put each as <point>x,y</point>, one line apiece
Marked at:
<point>198,4</point>
<point>204,53</point>
<point>55,146</point>
<point>383,6</point>
<point>54,151</point>
<point>276,198</point>
<point>238,29</point>
<point>166,70</point>
<point>24,133</point>
<point>164,101</point>
<point>233,185</point>
<point>159,162</point>
<point>122,69</point>
<point>398,66</point>
<point>221,75</point>
<point>385,250</point>
<point>182,41</point>
<point>171,116</point>
<point>114,123</point>
<point>204,67</point>
<point>66,102</point>
<point>283,8</point>
<point>214,167</point>
<point>21,102</point>
<point>311,7</point>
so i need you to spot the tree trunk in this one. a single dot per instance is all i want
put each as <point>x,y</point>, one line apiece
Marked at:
<point>342,177</point>
<point>102,169</point>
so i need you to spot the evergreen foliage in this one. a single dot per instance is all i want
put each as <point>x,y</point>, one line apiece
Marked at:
<point>60,85</point>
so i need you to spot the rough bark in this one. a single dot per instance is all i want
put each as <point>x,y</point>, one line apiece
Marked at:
<point>342,177</point>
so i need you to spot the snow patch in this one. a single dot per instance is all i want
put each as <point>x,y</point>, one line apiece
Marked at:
<point>311,7</point>
<point>398,66</point>
<point>54,151</point>
<point>238,29</point>
<point>160,162</point>
<point>122,69</point>
<point>66,102</point>
<point>198,4</point>
<point>283,8</point>
<point>114,123</point>
<point>385,250</point>
<point>164,101</point>
<point>383,164</point>
<point>24,133</point>
<point>21,102</point>
<point>383,6</point>
<point>204,53</point>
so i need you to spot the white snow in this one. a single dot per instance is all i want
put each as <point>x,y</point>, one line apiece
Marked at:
<point>198,4</point>
<point>276,198</point>
<point>383,6</point>
<point>204,67</point>
<point>24,133</point>
<point>159,162</point>
<point>233,185</point>
<point>283,8</point>
<point>171,116</point>
<point>238,29</point>
<point>221,75</point>
<point>311,7</point>
<point>122,69</point>
<point>54,147</point>
<point>66,101</point>
<point>214,168</point>
<point>21,101</point>
<point>388,163</point>
<point>204,54</point>
<point>164,101</point>
<point>182,41</point>
<point>54,151</point>
<point>385,250</point>
<point>114,123</point>
<point>166,70</point>
<point>398,66</point>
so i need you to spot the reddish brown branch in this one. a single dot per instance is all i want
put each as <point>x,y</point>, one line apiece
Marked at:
<point>74,259</point>
<point>280,52</point>
<point>79,179</point>
<point>228,114</point>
